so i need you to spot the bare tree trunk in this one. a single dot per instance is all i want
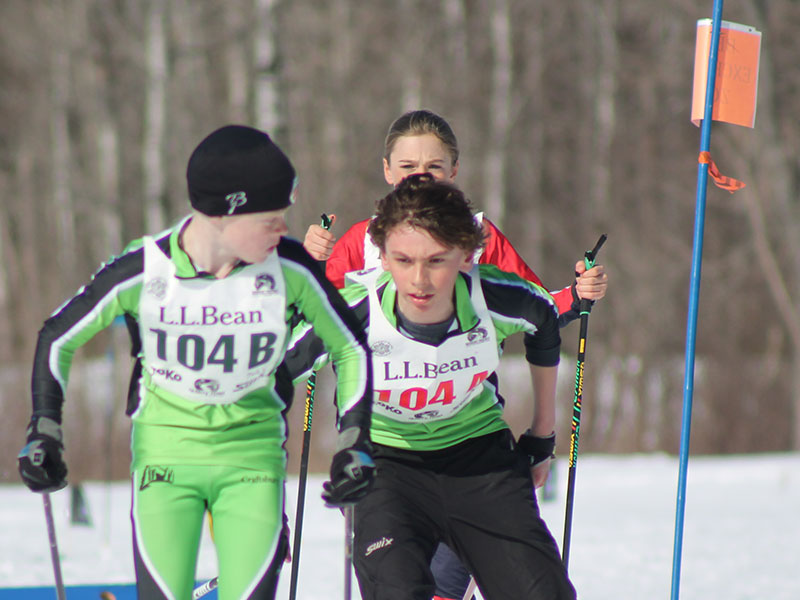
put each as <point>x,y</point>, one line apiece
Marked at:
<point>604,107</point>
<point>494,183</point>
<point>5,279</point>
<point>108,161</point>
<point>455,19</point>
<point>267,87</point>
<point>529,107</point>
<point>153,158</point>
<point>457,49</point>
<point>60,149</point>
<point>767,167</point>
<point>239,80</point>
<point>411,85</point>
<point>334,126</point>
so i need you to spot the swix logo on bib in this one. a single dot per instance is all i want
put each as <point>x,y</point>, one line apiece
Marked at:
<point>211,340</point>
<point>416,382</point>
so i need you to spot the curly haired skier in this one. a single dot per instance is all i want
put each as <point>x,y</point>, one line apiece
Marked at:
<point>447,466</point>
<point>421,141</point>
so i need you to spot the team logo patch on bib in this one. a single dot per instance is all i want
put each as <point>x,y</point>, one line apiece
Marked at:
<point>428,414</point>
<point>207,387</point>
<point>477,336</point>
<point>381,348</point>
<point>157,287</point>
<point>265,284</point>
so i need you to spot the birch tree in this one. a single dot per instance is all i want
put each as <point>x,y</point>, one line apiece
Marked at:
<point>499,117</point>
<point>152,149</point>
<point>61,151</point>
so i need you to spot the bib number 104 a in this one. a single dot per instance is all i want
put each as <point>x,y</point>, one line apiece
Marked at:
<point>416,398</point>
<point>190,350</point>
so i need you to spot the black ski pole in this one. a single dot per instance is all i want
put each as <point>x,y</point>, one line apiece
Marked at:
<point>61,593</point>
<point>348,551</point>
<point>303,477</point>
<point>589,258</point>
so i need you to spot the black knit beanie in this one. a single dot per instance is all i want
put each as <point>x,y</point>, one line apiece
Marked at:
<point>238,170</point>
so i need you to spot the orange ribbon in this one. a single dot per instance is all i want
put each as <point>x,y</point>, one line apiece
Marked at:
<point>720,180</point>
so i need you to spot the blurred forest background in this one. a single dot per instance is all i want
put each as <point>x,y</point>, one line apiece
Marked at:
<point>573,120</point>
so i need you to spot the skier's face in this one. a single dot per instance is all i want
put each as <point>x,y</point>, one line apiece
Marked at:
<point>424,271</point>
<point>419,154</point>
<point>252,237</point>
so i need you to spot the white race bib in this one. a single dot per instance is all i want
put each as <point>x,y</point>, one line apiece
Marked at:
<point>417,382</point>
<point>211,340</point>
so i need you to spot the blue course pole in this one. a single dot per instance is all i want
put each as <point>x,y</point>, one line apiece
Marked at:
<point>691,325</point>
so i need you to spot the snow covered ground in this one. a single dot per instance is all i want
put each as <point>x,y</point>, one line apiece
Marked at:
<point>741,535</point>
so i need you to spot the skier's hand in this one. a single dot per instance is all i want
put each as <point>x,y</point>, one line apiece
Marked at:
<point>352,470</point>
<point>40,463</point>
<point>319,241</point>
<point>590,284</point>
<point>540,451</point>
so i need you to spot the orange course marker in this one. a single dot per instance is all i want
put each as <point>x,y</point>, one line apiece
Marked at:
<point>721,181</point>
<point>736,88</point>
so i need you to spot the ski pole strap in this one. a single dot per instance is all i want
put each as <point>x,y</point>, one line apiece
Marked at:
<point>538,449</point>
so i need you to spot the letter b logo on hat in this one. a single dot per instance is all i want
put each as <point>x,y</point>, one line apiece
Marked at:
<point>236,170</point>
<point>235,200</point>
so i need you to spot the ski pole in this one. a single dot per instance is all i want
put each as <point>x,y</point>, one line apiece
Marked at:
<point>589,258</point>
<point>348,551</point>
<point>303,477</point>
<point>206,588</point>
<point>61,593</point>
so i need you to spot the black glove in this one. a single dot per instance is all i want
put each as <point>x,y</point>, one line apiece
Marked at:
<point>40,464</point>
<point>538,449</point>
<point>352,470</point>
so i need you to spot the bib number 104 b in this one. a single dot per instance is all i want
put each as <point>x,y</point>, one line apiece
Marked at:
<point>190,350</point>
<point>416,398</point>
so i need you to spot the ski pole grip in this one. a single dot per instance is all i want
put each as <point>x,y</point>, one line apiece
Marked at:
<point>325,221</point>
<point>590,256</point>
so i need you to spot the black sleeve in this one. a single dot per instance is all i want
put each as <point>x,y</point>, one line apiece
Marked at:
<point>515,300</point>
<point>300,358</point>
<point>48,397</point>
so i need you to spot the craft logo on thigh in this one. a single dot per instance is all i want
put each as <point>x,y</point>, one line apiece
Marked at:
<point>258,479</point>
<point>153,475</point>
<point>381,543</point>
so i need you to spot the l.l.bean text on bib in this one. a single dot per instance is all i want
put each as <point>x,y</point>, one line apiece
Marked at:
<point>211,340</point>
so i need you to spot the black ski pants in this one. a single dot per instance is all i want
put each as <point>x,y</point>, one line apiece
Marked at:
<point>478,498</point>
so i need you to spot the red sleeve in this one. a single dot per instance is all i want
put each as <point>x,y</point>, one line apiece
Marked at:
<point>501,253</point>
<point>347,254</point>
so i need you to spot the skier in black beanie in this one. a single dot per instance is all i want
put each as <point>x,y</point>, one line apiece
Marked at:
<point>238,170</point>
<point>210,303</point>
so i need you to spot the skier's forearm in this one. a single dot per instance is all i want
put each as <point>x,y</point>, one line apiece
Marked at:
<point>544,399</point>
